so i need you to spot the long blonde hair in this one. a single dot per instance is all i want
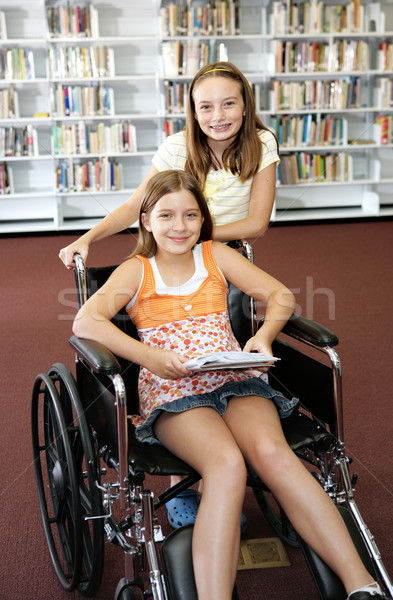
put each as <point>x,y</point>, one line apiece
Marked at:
<point>243,156</point>
<point>161,184</point>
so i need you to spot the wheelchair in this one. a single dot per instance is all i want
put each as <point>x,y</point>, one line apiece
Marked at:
<point>91,471</point>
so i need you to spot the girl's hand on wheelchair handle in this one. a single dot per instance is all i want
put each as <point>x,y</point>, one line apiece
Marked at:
<point>67,254</point>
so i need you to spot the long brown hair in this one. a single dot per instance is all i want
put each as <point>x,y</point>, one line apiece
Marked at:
<point>167,182</point>
<point>243,156</point>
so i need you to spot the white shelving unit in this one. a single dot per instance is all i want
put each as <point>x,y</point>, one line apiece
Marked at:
<point>133,31</point>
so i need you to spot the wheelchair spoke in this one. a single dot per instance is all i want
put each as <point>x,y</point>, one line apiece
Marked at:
<point>86,472</point>
<point>57,484</point>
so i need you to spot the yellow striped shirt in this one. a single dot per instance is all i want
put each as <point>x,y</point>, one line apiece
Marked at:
<point>228,198</point>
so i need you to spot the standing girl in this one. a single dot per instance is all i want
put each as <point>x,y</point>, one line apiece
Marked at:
<point>175,290</point>
<point>226,147</point>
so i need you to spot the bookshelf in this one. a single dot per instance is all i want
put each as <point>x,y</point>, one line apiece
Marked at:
<point>87,95</point>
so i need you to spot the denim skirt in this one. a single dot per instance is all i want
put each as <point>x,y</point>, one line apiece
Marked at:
<point>218,400</point>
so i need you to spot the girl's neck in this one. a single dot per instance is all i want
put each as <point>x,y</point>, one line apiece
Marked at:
<point>175,269</point>
<point>218,149</point>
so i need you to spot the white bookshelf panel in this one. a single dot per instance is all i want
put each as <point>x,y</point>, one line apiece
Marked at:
<point>248,54</point>
<point>136,169</point>
<point>34,176</point>
<point>33,98</point>
<point>137,58</point>
<point>316,197</point>
<point>25,20</point>
<point>385,158</point>
<point>90,205</point>
<point>136,97</point>
<point>128,18</point>
<point>16,209</point>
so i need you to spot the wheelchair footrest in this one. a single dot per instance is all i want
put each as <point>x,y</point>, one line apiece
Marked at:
<point>326,581</point>
<point>176,554</point>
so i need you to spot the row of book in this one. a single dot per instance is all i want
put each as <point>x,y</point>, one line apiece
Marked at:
<point>70,20</point>
<point>386,124</point>
<point>78,101</point>
<point>172,126</point>
<point>385,56</point>
<point>9,103</point>
<point>303,167</point>
<point>101,175</point>
<point>17,63</point>
<point>303,57</point>
<point>314,16</point>
<point>384,92</point>
<point>18,141</point>
<point>175,96</point>
<point>317,94</point>
<point>308,130</point>
<point>5,179</point>
<point>186,58</point>
<point>77,62</point>
<point>204,18</point>
<point>100,138</point>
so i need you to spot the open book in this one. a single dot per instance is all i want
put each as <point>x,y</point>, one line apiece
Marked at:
<point>228,360</point>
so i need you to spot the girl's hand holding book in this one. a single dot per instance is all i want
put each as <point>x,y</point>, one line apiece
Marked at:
<point>165,363</point>
<point>255,344</point>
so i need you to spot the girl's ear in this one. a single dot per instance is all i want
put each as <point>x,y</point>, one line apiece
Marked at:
<point>145,221</point>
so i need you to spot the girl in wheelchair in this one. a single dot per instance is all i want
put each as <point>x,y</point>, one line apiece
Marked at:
<point>174,287</point>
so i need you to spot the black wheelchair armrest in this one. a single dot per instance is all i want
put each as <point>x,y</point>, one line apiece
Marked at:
<point>305,330</point>
<point>310,331</point>
<point>96,355</point>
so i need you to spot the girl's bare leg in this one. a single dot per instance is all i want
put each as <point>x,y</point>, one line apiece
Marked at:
<point>201,438</point>
<point>256,427</point>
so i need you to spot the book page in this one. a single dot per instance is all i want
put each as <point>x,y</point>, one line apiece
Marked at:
<point>229,360</point>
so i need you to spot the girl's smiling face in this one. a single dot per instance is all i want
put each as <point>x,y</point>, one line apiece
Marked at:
<point>175,222</point>
<point>219,108</point>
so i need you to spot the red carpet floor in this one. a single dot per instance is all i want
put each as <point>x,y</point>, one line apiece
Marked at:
<point>341,275</point>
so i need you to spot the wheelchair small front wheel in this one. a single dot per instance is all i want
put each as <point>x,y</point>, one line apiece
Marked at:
<point>57,483</point>
<point>127,594</point>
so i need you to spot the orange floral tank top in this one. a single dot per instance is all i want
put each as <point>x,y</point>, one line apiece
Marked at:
<point>190,323</point>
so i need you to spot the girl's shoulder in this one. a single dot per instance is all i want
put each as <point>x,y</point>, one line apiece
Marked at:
<point>265,135</point>
<point>128,271</point>
<point>231,262</point>
<point>221,251</point>
<point>176,139</point>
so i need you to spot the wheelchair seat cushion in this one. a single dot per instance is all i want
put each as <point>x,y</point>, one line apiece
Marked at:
<point>153,459</point>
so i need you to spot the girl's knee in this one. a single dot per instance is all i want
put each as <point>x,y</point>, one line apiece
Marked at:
<point>272,453</point>
<point>228,468</point>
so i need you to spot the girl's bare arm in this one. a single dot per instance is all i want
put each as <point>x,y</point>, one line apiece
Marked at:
<point>277,298</point>
<point>263,190</point>
<point>93,321</point>
<point>118,220</point>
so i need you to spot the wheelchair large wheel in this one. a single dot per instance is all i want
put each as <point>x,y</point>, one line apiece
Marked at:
<point>57,483</point>
<point>87,473</point>
<point>276,517</point>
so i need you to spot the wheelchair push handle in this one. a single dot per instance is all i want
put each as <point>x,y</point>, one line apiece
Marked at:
<point>80,278</point>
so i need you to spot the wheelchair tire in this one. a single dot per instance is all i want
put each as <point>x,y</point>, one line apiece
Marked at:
<point>57,483</point>
<point>87,473</point>
<point>276,517</point>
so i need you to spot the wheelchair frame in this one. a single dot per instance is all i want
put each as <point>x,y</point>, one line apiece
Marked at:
<point>78,506</point>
